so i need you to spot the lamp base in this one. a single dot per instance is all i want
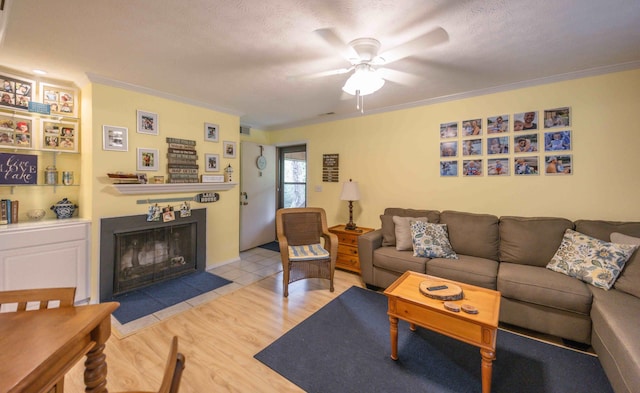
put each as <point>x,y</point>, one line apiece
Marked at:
<point>351,226</point>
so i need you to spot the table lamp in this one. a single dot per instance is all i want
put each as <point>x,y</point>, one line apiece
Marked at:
<point>350,192</point>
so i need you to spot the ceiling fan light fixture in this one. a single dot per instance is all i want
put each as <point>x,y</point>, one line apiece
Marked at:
<point>364,81</point>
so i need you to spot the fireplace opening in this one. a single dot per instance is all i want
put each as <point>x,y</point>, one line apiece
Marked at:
<point>135,253</point>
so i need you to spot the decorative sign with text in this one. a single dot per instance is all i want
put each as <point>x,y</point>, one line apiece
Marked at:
<point>18,168</point>
<point>330,168</point>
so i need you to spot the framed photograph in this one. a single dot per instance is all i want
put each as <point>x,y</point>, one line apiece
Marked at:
<point>448,149</point>
<point>559,165</point>
<point>62,100</point>
<point>448,130</point>
<point>524,166</point>
<point>212,162</point>
<point>229,149</point>
<point>557,140</point>
<point>148,159</point>
<point>16,132</point>
<point>472,147</point>
<point>448,168</point>
<point>498,167</point>
<point>472,127</point>
<point>147,123</point>
<point>525,143</point>
<point>211,132</point>
<point>498,124</point>
<point>498,145</point>
<point>472,168</point>
<point>16,91</point>
<point>559,117</point>
<point>60,136</point>
<point>525,121</point>
<point>115,138</point>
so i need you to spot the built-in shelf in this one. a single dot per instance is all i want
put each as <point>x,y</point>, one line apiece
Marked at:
<point>167,188</point>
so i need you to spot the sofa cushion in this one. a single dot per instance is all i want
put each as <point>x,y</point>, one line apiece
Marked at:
<point>537,285</point>
<point>466,269</point>
<point>531,240</point>
<point>629,279</point>
<point>388,228</point>
<point>404,239</point>
<point>389,258</point>
<point>472,234</point>
<point>591,260</point>
<point>431,240</point>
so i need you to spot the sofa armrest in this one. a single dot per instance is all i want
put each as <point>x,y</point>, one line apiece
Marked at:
<point>367,244</point>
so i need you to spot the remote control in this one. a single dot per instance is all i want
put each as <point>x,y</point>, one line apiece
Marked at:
<point>437,288</point>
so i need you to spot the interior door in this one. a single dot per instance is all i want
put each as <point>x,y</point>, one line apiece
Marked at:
<point>257,195</point>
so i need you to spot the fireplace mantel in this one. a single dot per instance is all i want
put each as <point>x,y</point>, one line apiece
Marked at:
<point>167,188</point>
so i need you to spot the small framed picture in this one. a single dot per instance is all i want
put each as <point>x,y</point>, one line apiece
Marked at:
<point>115,138</point>
<point>17,131</point>
<point>498,124</point>
<point>448,149</point>
<point>498,145</point>
<point>472,168</point>
<point>148,159</point>
<point>472,147</point>
<point>16,92</point>
<point>59,136</point>
<point>525,143</point>
<point>448,168</point>
<point>558,165</point>
<point>147,123</point>
<point>62,100</point>
<point>210,132</point>
<point>559,117</point>
<point>557,140</point>
<point>524,166</point>
<point>525,121</point>
<point>448,130</point>
<point>498,167</point>
<point>168,214</point>
<point>229,149</point>
<point>212,162</point>
<point>472,127</point>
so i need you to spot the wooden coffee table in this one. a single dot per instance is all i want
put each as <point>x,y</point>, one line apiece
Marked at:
<point>406,302</point>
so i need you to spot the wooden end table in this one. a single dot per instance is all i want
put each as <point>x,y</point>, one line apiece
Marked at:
<point>348,258</point>
<point>406,302</point>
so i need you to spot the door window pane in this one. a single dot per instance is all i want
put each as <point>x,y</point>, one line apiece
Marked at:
<point>295,195</point>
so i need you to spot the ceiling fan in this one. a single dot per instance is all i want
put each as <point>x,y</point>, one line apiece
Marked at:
<point>366,63</point>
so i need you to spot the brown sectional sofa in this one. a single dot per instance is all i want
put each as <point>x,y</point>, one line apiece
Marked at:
<point>510,254</point>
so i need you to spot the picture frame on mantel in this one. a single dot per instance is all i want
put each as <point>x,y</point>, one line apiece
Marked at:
<point>212,162</point>
<point>147,123</point>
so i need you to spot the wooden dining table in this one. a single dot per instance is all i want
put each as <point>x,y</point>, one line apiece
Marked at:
<point>37,348</point>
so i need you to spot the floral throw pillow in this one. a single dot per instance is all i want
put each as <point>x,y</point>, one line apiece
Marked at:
<point>591,260</point>
<point>431,240</point>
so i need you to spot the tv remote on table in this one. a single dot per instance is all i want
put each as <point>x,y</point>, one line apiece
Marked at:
<point>437,288</point>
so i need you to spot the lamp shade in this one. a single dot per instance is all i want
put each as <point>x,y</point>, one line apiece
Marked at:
<point>350,191</point>
<point>365,80</point>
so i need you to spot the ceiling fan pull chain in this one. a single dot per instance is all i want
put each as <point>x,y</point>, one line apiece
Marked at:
<point>362,105</point>
<point>358,99</point>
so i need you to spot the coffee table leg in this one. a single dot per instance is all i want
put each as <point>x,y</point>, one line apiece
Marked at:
<point>487,369</point>
<point>393,330</point>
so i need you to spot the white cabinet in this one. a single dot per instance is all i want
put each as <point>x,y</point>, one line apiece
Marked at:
<point>46,254</point>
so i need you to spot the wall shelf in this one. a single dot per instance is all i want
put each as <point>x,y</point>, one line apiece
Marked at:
<point>167,188</point>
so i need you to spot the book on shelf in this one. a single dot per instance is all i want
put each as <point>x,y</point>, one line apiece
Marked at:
<point>14,211</point>
<point>9,211</point>
<point>4,215</point>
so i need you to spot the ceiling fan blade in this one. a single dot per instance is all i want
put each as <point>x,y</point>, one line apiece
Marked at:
<point>329,36</point>
<point>415,46</point>
<point>400,77</point>
<point>321,74</point>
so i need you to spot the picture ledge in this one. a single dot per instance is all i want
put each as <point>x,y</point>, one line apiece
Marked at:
<point>165,188</point>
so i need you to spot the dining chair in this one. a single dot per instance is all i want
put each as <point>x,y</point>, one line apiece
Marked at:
<point>300,232</point>
<point>36,299</point>
<point>172,371</point>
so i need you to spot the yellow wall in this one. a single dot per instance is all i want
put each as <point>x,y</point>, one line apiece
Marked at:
<point>395,156</point>
<point>117,107</point>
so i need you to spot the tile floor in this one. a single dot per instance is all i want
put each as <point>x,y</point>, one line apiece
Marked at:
<point>254,265</point>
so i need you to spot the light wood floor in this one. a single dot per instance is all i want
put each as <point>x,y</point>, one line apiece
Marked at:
<point>218,339</point>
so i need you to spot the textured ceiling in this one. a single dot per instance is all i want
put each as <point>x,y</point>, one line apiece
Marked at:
<point>243,57</point>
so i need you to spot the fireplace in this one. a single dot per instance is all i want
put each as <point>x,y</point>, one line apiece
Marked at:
<point>135,253</point>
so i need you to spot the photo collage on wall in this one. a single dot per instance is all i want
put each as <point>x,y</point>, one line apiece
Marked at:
<point>523,144</point>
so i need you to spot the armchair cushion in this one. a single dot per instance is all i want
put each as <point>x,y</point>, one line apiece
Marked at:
<point>307,252</point>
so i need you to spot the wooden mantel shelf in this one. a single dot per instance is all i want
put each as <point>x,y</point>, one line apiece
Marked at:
<point>167,188</point>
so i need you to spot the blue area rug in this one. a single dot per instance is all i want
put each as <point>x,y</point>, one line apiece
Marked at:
<point>273,246</point>
<point>345,347</point>
<point>139,303</point>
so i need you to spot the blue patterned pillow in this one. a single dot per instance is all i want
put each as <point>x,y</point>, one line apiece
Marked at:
<point>591,260</point>
<point>431,240</point>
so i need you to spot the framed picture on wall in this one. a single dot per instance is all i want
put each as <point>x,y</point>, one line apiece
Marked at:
<point>525,166</point>
<point>472,127</point>
<point>62,100</point>
<point>16,132</point>
<point>448,130</point>
<point>498,167</point>
<point>16,91</point>
<point>448,149</point>
<point>472,147</point>
<point>211,132</point>
<point>559,117</point>
<point>147,123</point>
<point>115,138</point>
<point>229,149</point>
<point>525,143</point>
<point>497,124</point>
<point>448,168</point>
<point>60,136</point>
<point>472,168</point>
<point>559,164</point>
<point>498,145</point>
<point>557,140</point>
<point>525,121</point>
<point>212,162</point>
<point>148,159</point>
